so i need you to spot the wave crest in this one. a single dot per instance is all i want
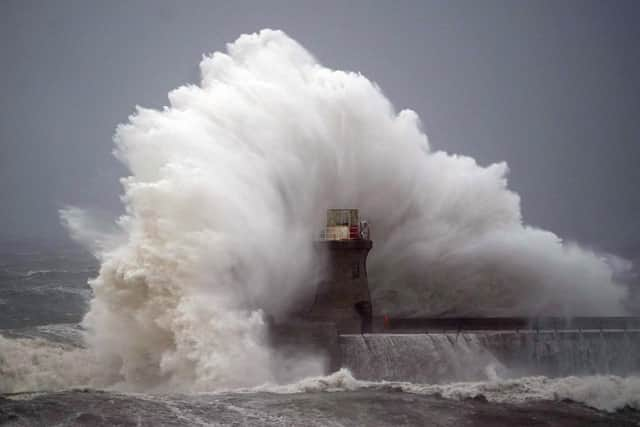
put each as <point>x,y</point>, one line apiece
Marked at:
<point>228,187</point>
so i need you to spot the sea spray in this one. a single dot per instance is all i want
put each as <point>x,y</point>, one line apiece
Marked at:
<point>228,187</point>
<point>604,392</point>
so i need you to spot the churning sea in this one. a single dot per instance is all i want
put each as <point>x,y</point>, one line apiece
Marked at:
<point>44,295</point>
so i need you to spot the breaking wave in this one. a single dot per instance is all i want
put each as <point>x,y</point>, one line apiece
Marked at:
<point>229,185</point>
<point>52,366</point>
<point>37,364</point>
<point>608,393</point>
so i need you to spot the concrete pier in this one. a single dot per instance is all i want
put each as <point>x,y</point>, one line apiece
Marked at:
<point>546,323</point>
<point>476,356</point>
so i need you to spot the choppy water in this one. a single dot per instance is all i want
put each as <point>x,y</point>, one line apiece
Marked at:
<point>43,283</point>
<point>368,407</point>
<point>44,295</point>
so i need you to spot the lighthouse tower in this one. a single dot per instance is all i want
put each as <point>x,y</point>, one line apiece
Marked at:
<point>342,296</point>
<point>341,303</point>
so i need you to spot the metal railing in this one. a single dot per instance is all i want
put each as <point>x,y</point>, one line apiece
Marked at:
<point>505,323</point>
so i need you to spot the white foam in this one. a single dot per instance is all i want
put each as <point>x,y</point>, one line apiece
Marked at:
<point>28,365</point>
<point>36,364</point>
<point>602,392</point>
<point>341,380</point>
<point>228,188</point>
<point>607,393</point>
<point>43,272</point>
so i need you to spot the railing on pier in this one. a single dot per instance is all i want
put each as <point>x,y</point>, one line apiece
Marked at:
<point>439,324</point>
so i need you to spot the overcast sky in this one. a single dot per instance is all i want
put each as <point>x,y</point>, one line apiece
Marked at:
<point>551,87</point>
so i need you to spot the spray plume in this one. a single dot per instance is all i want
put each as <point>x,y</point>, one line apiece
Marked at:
<point>228,188</point>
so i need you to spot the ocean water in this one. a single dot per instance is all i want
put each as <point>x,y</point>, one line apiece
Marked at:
<point>44,295</point>
<point>43,283</point>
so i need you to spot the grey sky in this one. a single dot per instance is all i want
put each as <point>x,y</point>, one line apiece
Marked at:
<point>552,87</point>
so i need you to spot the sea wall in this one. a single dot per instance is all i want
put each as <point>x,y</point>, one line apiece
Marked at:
<point>473,356</point>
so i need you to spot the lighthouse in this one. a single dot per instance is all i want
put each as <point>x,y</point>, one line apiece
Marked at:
<point>340,302</point>
<point>342,295</point>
